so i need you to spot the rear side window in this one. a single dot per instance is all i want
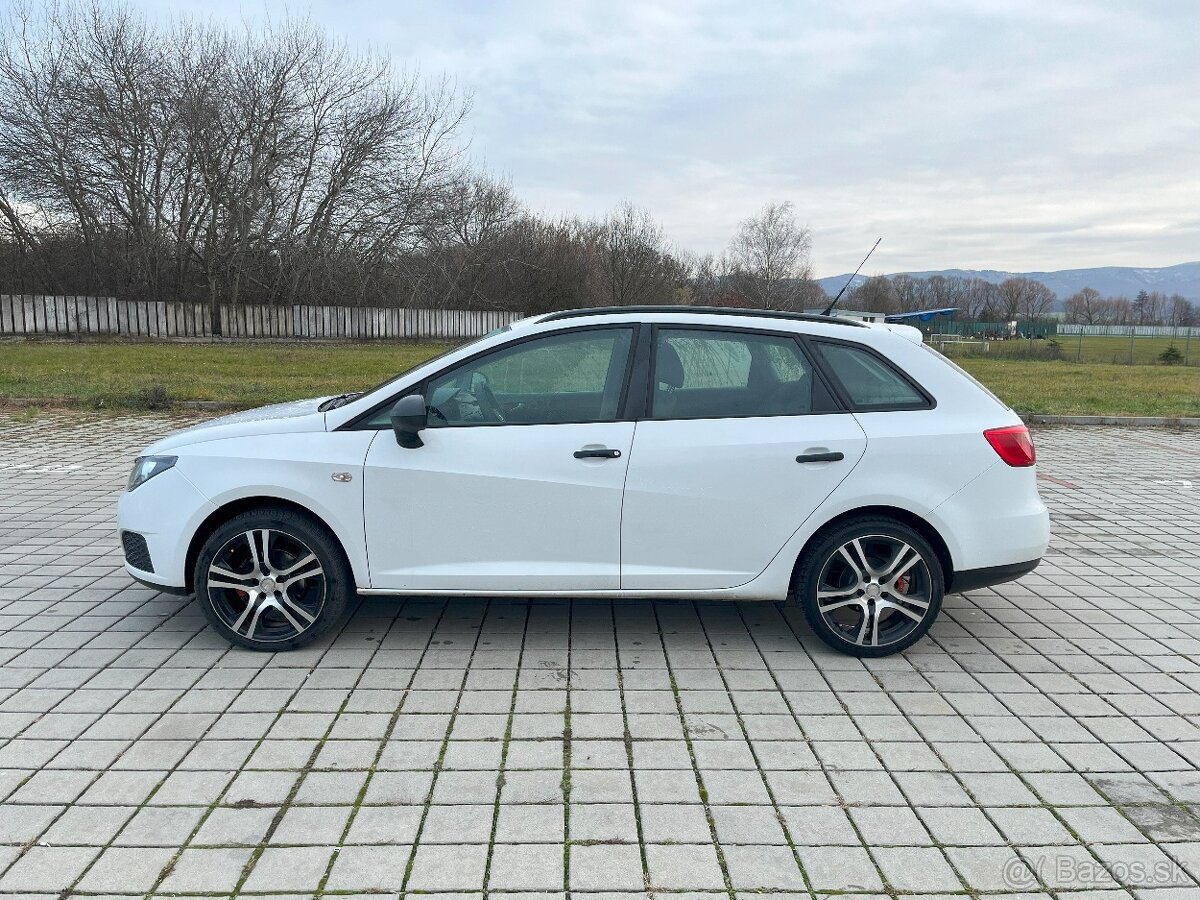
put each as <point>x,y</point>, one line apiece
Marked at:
<point>869,382</point>
<point>702,374</point>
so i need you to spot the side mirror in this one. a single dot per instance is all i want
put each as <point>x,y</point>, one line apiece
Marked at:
<point>408,418</point>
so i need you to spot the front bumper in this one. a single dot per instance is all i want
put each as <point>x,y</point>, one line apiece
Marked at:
<point>165,511</point>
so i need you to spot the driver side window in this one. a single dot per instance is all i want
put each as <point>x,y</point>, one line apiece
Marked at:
<point>573,377</point>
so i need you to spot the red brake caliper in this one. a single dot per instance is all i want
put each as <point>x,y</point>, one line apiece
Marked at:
<point>902,584</point>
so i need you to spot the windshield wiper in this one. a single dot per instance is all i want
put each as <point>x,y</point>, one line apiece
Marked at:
<point>339,400</point>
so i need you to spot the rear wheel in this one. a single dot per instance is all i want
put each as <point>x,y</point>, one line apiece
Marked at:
<point>273,579</point>
<point>870,587</point>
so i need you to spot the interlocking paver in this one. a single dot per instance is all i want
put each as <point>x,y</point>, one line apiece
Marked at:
<point>1045,736</point>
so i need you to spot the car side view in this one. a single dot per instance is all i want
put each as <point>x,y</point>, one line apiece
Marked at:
<point>650,452</point>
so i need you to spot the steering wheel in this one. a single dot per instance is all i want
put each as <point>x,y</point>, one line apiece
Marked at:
<point>488,404</point>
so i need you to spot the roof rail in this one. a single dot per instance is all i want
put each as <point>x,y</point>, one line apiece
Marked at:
<point>701,310</point>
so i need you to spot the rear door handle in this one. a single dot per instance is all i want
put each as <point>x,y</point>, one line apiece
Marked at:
<point>835,456</point>
<point>599,453</point>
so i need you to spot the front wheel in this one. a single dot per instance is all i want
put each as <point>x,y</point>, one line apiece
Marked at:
<point>870,587</point>
<point>273,579</point>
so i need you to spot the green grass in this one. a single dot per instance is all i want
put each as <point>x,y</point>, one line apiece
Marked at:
<point>243,374</point>
<point>125,375</point>
<point>1088,348</point>
<point>1089,389</point>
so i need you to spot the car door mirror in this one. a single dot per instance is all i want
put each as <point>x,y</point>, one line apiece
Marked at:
<point>409,417</point>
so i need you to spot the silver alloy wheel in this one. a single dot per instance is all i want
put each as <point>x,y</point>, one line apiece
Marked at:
<point>874,590</point>
<point>266,585</point>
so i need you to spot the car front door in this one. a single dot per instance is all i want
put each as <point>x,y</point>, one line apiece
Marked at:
<point>741,441</point>
<point>518,484</point>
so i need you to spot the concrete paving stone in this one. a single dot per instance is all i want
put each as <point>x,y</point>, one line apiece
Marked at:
<point>1030,826</point>
<point>603,822</point>
<point>122,869</point>
<point>819,826</point>
<point>448,868</point>
<point>311,825</point>
<point>746,825</point>
<point>1100,825</point>
<point>1066,868</point>
<point>288,869</point>
<point>531,824</point>
<point>404,788</point>
<point>732,786</point>
<point>385,825</point>
<point>165,826</point>
<point>22,823</point>
<point>756,867</point>
<point>801,788</point>
<point>1164,823</point>
<point>1142,865</point>
<point>379,868</point>
<point>673,823</point>
<point>678,786</point>
<point>235,826</point>
<point>991,868</point>
<point>955,826</point>
<point>607,786</point>
<point>526,867</point>
<point>1064,789</point>
<point>459,824</point>
<point>46,869</point>
<point>324,788</point>
<point>465,787</point>
<point>916,869</point>
<point>606,867</point>
<point>839,868</point>
<point>683,867</point>
<point>198,789</point>
<point>889,826</point>
<point>206,871</point>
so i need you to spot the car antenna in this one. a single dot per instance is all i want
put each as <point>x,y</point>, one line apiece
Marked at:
<point>833,302</point>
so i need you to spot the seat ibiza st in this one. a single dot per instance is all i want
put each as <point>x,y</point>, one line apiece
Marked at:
<point>652,452</point>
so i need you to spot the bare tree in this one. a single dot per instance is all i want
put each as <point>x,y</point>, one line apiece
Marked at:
<point>876,294</point>
<point>770,256</point>
<point>634,263</point>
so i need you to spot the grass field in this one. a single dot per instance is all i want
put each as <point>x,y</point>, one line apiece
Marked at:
<point>1088,348</point>
<point>133,375</point>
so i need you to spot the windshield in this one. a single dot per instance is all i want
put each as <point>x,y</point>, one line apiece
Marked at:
<point>426,362</point>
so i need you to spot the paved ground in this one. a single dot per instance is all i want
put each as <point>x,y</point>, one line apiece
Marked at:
<point>1044,739</point>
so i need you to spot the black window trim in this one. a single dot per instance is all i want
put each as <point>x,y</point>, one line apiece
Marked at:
<point>362,422</point>
<point>928,401</point>
<point>839,406</point>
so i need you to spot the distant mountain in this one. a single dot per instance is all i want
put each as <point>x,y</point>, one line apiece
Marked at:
<point>1110,281</point>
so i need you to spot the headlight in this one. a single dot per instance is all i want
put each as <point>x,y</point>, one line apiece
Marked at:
<point>146,467</point>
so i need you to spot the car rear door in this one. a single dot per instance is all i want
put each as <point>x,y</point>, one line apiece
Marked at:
<point>740,441</point>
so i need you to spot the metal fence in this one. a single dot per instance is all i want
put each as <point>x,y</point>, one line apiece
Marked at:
<point>70,316</point>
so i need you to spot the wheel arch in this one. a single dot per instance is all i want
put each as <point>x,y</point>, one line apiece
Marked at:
<point>922,526</point>
<point>224,513</point>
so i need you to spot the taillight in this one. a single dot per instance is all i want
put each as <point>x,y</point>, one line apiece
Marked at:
<point>1012,444</point>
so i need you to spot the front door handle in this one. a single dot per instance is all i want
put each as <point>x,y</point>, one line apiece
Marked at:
<point>835,456</point>
<point>598,453</point>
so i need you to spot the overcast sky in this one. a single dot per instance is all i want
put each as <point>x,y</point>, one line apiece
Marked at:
<point>1004,134</point>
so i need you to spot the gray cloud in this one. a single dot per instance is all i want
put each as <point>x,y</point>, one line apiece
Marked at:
<point>1010,134</point>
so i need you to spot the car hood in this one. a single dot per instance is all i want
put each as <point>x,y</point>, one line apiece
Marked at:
<point>279,418</point>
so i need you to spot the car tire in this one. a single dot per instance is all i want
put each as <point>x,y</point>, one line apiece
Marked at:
<point>273,579</point>
<point>870,586</point>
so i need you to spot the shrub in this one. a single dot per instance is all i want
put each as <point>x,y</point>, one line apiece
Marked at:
<point>1170,356</point>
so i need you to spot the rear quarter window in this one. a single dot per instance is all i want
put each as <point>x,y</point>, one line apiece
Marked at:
<point>869,382</point>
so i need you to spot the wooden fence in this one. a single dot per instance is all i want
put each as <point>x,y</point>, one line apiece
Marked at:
<point>24,314</point>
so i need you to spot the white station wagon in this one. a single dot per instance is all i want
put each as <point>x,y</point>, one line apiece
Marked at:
<point>649,452</point>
